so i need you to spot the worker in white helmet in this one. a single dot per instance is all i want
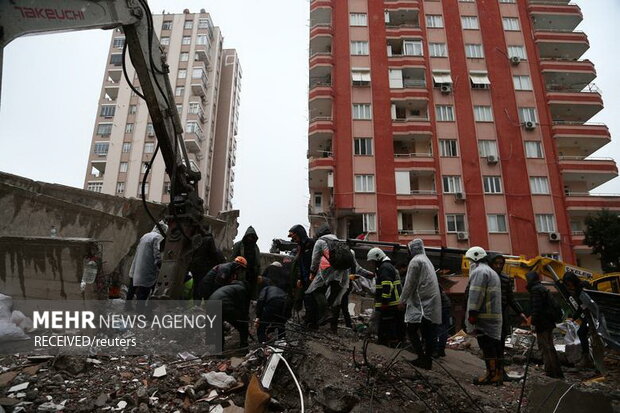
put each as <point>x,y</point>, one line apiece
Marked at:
<point>387,296</point>
<point>484,313</point>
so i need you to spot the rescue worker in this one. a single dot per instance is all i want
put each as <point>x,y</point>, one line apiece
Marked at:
<point>542,320</point>
<point>248,249</point>
<point>220,275</point>
<point>235,308</point>
<point>204,258</point>
<point>497,262</point>
<point>145,266</point>
<point>325,279</point>
<point>422,301</point>
<point>387,294</point>
<point>484,313</point>
<point>575,287</point>
<point>355,272</point>
<point>273,307</point>
<point>301,273</point>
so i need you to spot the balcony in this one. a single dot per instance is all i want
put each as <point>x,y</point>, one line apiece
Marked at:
<point>580,138</point>
<point>584,174</point>
<point>402,22</point>
<point>561,44</point>
<point>320,41</point>
<point>320,76</point>
<point>203,54</point>
<point>555,16</point>
<point>321,89</point>
<point>321,177</point>
<point>321,59</point>
<point>320,105</point>
<point>572,105</point>
<point>193,141</point>
<point>412,146</point>
<point>317,4</point>
<point>566,73</point>
<point>320,145</point>
<point>586,201</point>
<point>321,125</point>
<point>409,111</point>
<point>110,93</point>
<point>97,169</point>
<point>199,86</point>
<point>416,187</point>
<point>321,163</point>
<point>401,4</point>
<point>320,15</point>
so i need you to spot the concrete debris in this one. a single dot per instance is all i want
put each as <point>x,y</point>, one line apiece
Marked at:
<point>159,372</point>
<point>19,387</point>
<point>219,379</point>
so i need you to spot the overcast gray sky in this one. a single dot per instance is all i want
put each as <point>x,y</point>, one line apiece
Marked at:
<point>51,85</point>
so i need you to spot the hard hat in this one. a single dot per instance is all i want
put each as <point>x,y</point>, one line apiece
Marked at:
<point>242,262</point>
<point>475,254</point>
<point>375,254</point>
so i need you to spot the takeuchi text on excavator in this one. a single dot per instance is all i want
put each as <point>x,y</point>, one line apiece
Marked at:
<point>185,213</point>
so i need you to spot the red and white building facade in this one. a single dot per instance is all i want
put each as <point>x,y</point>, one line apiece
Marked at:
<point>459,122</point>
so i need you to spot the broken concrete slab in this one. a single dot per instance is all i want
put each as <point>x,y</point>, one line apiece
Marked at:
<point>545,398</point>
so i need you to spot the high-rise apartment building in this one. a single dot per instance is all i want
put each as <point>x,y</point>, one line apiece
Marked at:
<point>461,122</point>
<point>206,82</point>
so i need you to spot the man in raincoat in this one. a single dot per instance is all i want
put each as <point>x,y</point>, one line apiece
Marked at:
<point>248,249</point>
<point>422,299</point>
<point>484,313</point>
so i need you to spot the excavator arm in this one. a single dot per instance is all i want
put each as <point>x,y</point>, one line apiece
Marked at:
<point>21,17</point>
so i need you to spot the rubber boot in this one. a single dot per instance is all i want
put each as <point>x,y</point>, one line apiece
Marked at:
<point>482,380</point>
<point>496,377</point>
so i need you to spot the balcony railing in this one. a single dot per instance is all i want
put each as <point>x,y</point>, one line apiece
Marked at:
<point>418,231</point>
<point>585,158</point>
<point>590,88</point>
<point>413,155</point>
<point>591,195</point>
<point>573,123</point>
<point>411,119</point>
<point>423,192</point>
<point>414,83</point>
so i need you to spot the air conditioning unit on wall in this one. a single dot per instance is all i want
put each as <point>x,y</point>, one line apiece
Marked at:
<point>554,237</point>
<point>462,236</point>
<point>446,89</point>
<point>515,60</point>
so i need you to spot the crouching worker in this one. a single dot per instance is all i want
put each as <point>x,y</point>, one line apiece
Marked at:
<point>273,309</point>
<point>235,308</point>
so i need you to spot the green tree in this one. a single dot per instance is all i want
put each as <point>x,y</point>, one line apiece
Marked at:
<point>603,236</point>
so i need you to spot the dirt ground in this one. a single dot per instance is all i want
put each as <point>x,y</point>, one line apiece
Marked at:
<point>332,380</point>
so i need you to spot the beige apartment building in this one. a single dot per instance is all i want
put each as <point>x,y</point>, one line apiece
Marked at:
<point>206,81</point>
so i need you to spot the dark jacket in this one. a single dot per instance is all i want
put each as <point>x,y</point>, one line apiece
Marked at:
<point>218,276</point>
<point>235,301</point>
<point>205,257</point>
<point>508,297</point>
<point>540,303</point>
<point>272,304</point>
<point>388,288</point>
<point>301,263</point>
<point>248,250</point>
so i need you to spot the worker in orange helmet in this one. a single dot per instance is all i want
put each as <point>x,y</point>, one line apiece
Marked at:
<point>220,275</point>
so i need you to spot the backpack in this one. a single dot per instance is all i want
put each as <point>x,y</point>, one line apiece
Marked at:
<point>555,311</point>
<point>340,257</point>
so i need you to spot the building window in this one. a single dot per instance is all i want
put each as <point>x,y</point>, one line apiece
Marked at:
<point>167,25</point>
<point>474,51</point>
<point>360,77</point>
<point>369,222</point>
<point>120,187</point>
<point>107,111</point>
<point>118,42</point>
<point>492,184</point>
<point>145,167</point>
<point>358,19</point>
<point>539,185</point>
<point>448,148</point>
<point>451,184</point>
<point>545,223</point>
<point>165,41</point>
<point>434,21</point>
<point>182,74</point>
<point>188,25</point>
<point>479,80</point>
<point>437,50</point>
<point>146,189</point>
<point>412,48</point>
<point>455,222</point>
<point>552,255</point>
<point>517,51</point>
<point>186,40</point>
<point>129,128</point>
<point>132,109</point>
<point>167,187</point>
<point>363,146</point>
<point>507,1</point>
<point>126,147</point>
<point>133,93</point>
<point>361,111</point>
<point>179,109</point>
<point>317,201</point>
<point>184,57</point>
<point>510,23</point>
<point>94,186</point>
<point>116,59</point>
<point>522,82</point>
<point>359,48</point>
<point>149,147</point>
<point>527,115</point>
<point>179,90</point>
<point>445,113</point>
<point>101,148</point>
<point>487,148</point>
<point>496,222</point>
<point>193,127</point>
<point>204,23</point>
<point>533,149</point>
<point>396,78</point>
<point>483,114</point>
<point>150,130</point>
<point>123,167</point>
<point>364,183</point>
<point>104,129</point>
<point>470,22</point>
